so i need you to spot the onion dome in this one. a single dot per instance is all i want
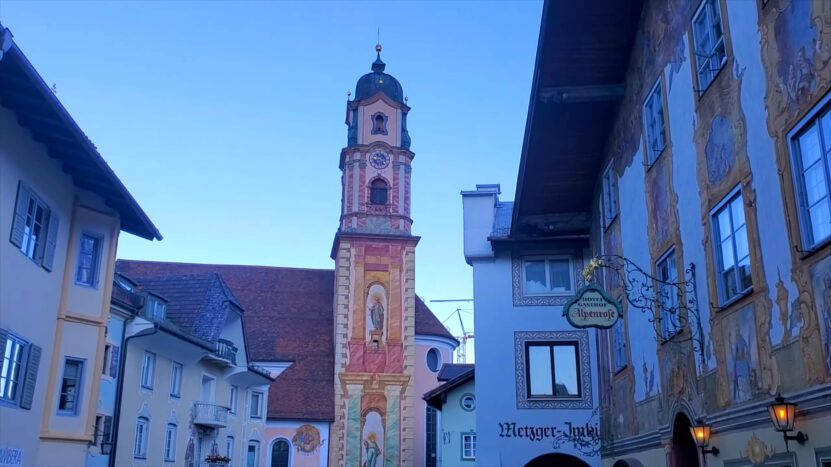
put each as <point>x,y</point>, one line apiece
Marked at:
<point>378,81</point>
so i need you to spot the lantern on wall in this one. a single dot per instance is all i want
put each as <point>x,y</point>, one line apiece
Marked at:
<point>782,415</point>
<point>701,434</point>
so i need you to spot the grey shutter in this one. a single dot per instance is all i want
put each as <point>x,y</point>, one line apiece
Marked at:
<point>32,364</point>
<point>20,211</point>
<point>51,241</point>
<point>108,427</point>
<point>114,361</point>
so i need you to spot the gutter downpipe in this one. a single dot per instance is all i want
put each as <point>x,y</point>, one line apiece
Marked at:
<point>120,386</point>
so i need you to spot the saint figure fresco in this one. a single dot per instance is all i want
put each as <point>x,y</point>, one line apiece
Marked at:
<point>376,313</point>
<point>821,278</point>
<point>743,375</point>
<point>372,450</point>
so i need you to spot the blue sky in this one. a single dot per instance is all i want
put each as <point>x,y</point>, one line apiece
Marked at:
<point>225,120</point>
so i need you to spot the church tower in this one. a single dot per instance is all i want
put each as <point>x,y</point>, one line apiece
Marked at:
<point>374,308</point>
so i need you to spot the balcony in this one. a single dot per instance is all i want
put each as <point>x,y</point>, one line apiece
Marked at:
<point>224,354</point>
<point>208,414</point>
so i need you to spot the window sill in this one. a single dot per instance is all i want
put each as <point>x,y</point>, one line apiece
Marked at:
<point>149,388</point>
<point>66,413</point>
<point>87,286</point>
<point>702,92</point>
<point>567,293</point>
<point>814,249</point>
<point>740,297</point>
<point>611,221</point>
<point>665,340</point>
<point>175,396</point>
<point>553,398</point>
<point>649,165</point>
<point>619,370</point>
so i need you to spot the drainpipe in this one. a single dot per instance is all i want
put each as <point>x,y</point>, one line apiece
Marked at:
<point>119,389</point>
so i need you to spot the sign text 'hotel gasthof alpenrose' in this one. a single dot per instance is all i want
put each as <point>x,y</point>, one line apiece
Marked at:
<point>592,307</point>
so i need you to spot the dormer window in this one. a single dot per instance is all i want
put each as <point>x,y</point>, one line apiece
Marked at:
<point>378,192</point>
<point>379,124</point>
<point>156,309</point>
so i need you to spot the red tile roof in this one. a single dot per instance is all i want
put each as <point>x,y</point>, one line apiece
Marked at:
<point>288,315</point>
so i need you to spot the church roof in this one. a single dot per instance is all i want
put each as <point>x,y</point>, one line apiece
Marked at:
<point>378,81</point>
<point>288,317</point>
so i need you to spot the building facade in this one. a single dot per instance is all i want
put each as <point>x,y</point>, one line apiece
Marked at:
<point>62,211</point>
<point>690,148</point>
<point>455,403</point>
<point>536,385</point>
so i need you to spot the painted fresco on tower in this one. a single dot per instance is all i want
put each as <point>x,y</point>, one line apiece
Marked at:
<point>821,278</point>
<point>376,311</point>
<point>743,375</point>
<point>372,437</point>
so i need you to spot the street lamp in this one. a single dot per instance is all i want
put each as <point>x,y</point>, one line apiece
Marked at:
<point>701,434</point>
<point>782,415</point>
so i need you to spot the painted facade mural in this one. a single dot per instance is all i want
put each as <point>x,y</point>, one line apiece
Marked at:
<point>743,374</point>
<point>796,41</point>
<point>821,278</point>
<point>719,150</point>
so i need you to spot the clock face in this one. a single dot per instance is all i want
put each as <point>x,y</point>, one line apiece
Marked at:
<point>379,160</point>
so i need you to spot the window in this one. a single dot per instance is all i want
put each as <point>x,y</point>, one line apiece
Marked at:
<point>140,447</point>
<point>552,369</point>
<point>812,170</point>
<point>668,294</point>
<point>256,404</point>
<point>431,430</point>
<point>155,309</point>
<point>379,124</point>
<point>546,275</point>
<point>34,228</point>
<point>12,367</point>
<point>468,446</point>
<point>108,355</point>
<point>88,257</point>
<point>433,359</point>
<point>610,207</point>
<point>232,403</point>
<point>170,443</point>
<point>378,192</point>
<point>280,453</point>
<point>71,386</point>
<point>253,455</point>
<point>731,250</point>
<point>619,345</point>
<point>102,434</point>
<point>468,402</point>
<point>229,446</point>
<point>708,42</point>
<point>19,363</point>
<point>654,124</point>
<point>148,370</point>
<point>176,380</point>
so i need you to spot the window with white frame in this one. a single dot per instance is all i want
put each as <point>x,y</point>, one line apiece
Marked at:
<point>176,379</point>
<point>155,309</point>
<point>610,206</point>
<point>34,228</point>
<point>232,402</point>
<point>170,443</point>
<point>547,275</point>
<point>148,370</point>
<point>140,445</point>
<point>667,270</point>
<point>731,249</point>
<point>11,368</point>
<point>229,446</point>
<point>619,345</point>
<point>654,123</point>
<point>252,458</point>
<point>468,446</point>
<point>811,153</point>
<point>89,254</point>
<point>102,432</point>
<point>69,399</point>
<point>552,369</point>
<point>708,42</point>
<point>256,405</point>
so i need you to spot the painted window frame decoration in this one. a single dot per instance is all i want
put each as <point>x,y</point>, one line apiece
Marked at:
<point>655,123</point>
<point>468,454</point>
<point>581,337</point>
<point>812,121</point>
<point>709,9</point>
<point>726,204</point>
<point>383,129</point>
<point>472,405</point>
<point>518,281</point>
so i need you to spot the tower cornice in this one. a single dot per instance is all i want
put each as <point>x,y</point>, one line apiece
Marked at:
<point>411,240</point>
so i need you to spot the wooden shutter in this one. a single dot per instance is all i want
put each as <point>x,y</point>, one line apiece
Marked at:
<point>20,211</point>
<point>32,364</point>
<point>51,241</point>
<point>114,361</point>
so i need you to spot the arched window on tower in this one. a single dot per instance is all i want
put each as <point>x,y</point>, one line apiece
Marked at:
<point>378,192</point>
<point>379,124</point>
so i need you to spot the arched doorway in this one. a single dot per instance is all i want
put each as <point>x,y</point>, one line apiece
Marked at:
<point>556,460</point>
<point>280,453</point>
<point>684,450</point>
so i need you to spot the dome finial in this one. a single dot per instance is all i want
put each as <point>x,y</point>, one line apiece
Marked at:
<point>378,48</point>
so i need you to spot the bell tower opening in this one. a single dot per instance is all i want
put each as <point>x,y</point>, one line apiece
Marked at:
<point>378,192</point>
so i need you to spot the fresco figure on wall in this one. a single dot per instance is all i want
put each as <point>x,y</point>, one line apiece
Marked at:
<point>372,450</point>
<point>376,310</point>
<point>742,360</point>
<point>719,149</point>
<point>376,313</point>
<point>660,205</point>
<point>821,278</point>
<point>826,321</point>
<point>796,36</point>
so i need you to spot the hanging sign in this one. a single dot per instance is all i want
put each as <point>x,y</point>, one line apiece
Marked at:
<point>592,308</point>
